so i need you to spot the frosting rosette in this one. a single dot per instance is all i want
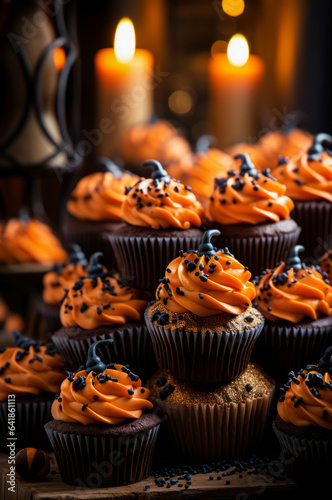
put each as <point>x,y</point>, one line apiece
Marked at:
<point>101,298</point>
<point>307,399</point>
<point>248,196</point>
<point>29,240</point>
<point>161,202</point>
<point>308,176</point>
<point>31,368</point>
<point>107,397</point>
<point>99,196</point>
<point>206,285</point>
<point>292,291</point>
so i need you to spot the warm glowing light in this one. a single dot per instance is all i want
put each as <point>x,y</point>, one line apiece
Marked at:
<point>233,7</point>
<point>180,102</point>
<point>220,46</point>
<point>124,41</point>
<point>238,50</point>
<point>59,58</point>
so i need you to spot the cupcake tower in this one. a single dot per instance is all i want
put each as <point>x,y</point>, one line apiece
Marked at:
<point>203,327</point>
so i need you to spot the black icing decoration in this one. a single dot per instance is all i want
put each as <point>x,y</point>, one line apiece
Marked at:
<point>319,145</point>
<point>247,167</point>
<point>206,247</point>
<point>95,268</point>
<point>325,363</point>
<point>24,342</point>
<point>94,362</point>
<point>294,260</point>
<point>158,171</point>
<point>77,256</point>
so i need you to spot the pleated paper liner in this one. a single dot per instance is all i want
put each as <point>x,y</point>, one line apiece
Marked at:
<point>281,349</point>
<point>203,357</point>
<point>315,218</point>
<point>143,261</point>
<point>131,345</point>
<point>308,460</point>
<point>261,253</point>
<point>208,433</point>
<point>103,461</point>
<point>30,418</point>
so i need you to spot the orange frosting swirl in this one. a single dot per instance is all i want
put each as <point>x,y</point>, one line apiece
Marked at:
<point>29,241</point>
<point>99,196</point>
<point>62,277</point>
<point>294,294</point>
<point>308,399</point>
<point>159,140</point>
<point>34,370</point>
<point>248,197</point>
<point>206,285</point>
<point>109,397</point>
<point>162,202</point>
<point>101,300</point>
<point>199,169</point>
<point>307,177</point>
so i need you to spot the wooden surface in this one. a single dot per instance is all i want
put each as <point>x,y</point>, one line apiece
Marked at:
<point>240,488</point>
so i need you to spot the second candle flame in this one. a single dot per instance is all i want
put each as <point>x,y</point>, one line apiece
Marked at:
<point>238,50</point>
<point>125,41</point>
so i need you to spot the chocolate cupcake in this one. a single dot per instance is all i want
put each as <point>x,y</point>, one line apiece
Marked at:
<point>296,302</point>
<point>62,277</point>
<point>203,325</point>
<point>101,306</point>
<point>253,214</point>
<point>159,140</point>
<point>30,376</point>
<point>94,211</point>
<point>303,424</point>
<point>308,180</point>
<point>213,422</point>
<point>160,217</point>
<point>104,432</point>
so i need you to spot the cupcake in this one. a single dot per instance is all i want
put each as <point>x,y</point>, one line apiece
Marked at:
<point>296,302</point>
<point>253,215</point>
<point>30,376</point>
<point>159,140</point>
<point>62,277</point>
<point>303,424</point>
<point>202,324</point>
<point>101,306</point>
<point>94,211</point>
<point>103,431</point>
<point>208,423</point>
<point>160,216</point>
<point>199,169</point>
<point>308,180</point>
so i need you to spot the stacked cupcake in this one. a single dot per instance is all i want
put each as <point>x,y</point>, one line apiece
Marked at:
<point>203,328</point>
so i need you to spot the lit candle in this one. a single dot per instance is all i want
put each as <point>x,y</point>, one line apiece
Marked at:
<point>234,81</point>
<point>124,88</point>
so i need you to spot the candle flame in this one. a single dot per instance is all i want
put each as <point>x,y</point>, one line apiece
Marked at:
<point>124,41</point>
<point>59,58</point>
<point>238,50</point>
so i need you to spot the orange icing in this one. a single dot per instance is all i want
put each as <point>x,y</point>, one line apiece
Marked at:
<point>159,140</point>
<point>101,300</point>
<point>189,285</point>
<point>55,281</point>
<point>242,197</point>
<point>162,203</point>
<point>198,170</point>
<point>22,376</point>
<point>29,241</point>
<point>315,407</point>
<point>305,178</point>
<point>107,402</point>
<point>293,296</point>
<point>99,196</point>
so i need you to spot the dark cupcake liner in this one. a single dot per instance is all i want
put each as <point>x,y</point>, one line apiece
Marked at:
<point>130,346</point>
<point>262,252</point>
<point>202,357</point>
<point>30,418</point>
<point>208,433</point>
<point>280,349</point>
<point>143,260</point>
<point>305,457</point>
<point>315,218</point>
<point>97,461</point>
<point>51,315</point>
